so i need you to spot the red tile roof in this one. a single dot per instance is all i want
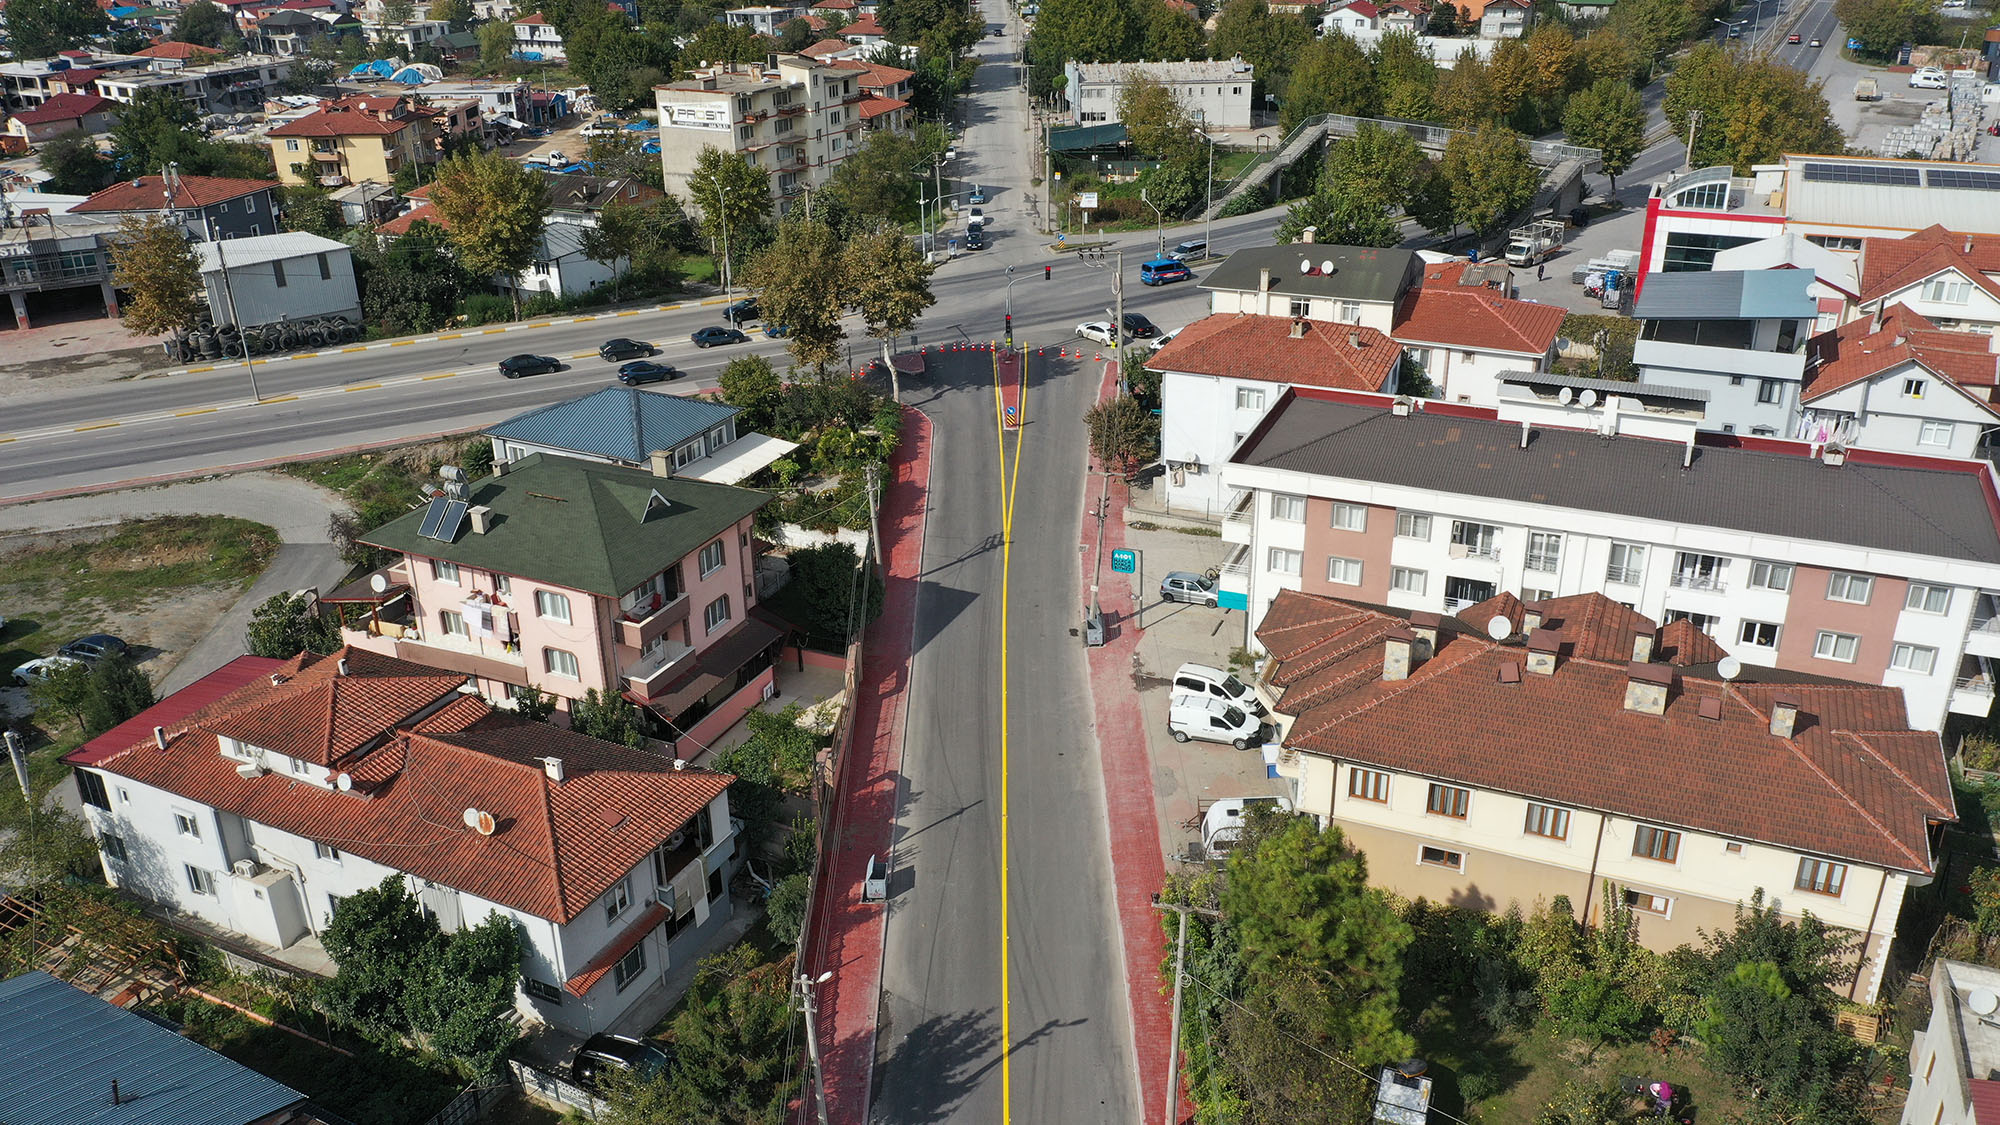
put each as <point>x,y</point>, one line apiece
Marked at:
<point>1247,346</point>
<point>401,224</point>
<point>878,77</point>
<point>1853,782</point>
<point>534,19</point>
<point>1359,7</point>
<point>1891,264</point>
<point>876,107</point>
<point>1896,336</point>
<point>65,107</point>
<point>147,193</point>
<point>182,51</point>
<point>1985,1092</point>
<point>1440,311</point>
<point>1683,645</point>
<point>76,77</point>
<point>557,846</point>
<point>827,47</point>
<point>833,6</point>
<point>1185,7</point>
<point>347,117</point>
<point>866,25</point>
<point>175,708</point>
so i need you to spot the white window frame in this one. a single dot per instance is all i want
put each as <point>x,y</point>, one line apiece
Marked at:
<point>200,880</point>
<point>1744,634</point>
<point>1547,557</point>
<point>444,570</point>
<point>1923,597</point>
<point>1828,644</point>
<point>1948,290</point>
<point>1413,525</point>
<point>1936,433</point>
<point>1249,398</point>
<point>1287,507</point>
<point>1632,570</point>
<point>712,620</point>
<point>1918,660</point>
<point>1850,588</point>
<point>1284,560</point>
<point>326,852</point>
<point>1409,580</point>
<point>186,824</point>
<point>554,660</point>
<point>552,606</point>
<point>617,899</point>
<point>1348,517</point>
<point>1660,906</point>
<point>721,558</point>
<point>1343,572</point>
<point>1771,576</point>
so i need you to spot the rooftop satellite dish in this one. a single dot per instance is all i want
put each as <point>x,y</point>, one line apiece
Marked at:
<point>1305,265</point>
<point>1562,343</point>
<point>343,782</point>
<point>479,821</point>
<point>378,582</point>
<point>1729,667</point>
<point>1499,628</point>
<point>1587,398</point>
<point>1326,266</point>
<point>1564,396</point>
<point>1983,1001</point>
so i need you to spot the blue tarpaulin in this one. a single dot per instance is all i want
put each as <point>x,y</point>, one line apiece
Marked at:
<point>641,127</point>
<point>408,76</point>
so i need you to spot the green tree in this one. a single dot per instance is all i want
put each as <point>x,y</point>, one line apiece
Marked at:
<point>1489,176</point>
<point>619,235</point>
<point>796,35</point>
<point>800,284</point>
<point>1657,27</point>
<point>118,691</point>
<point>496,44</point>
<point>1465,96</point>
<point>1406,75</point>
<point>890,283</point>
<point>1154,119</point>
<point>65,689</point>
<point>609,716</point>
<point>532,703</point>
<point>1609,53</point>
<point>943,25</point>
<point>412,285</point>
<point>156,129</point>
<point>735,1042</point>
<point>153,263</point>
<point>1379,167</point>
<point>203,24</point>
<point>375,937</point>
<point>494,211</point>
<point>1753,110</point>
<point>1171,34</point>
<point>1270,42</point>
<point>1334,75</point>
<point>824,584</point>
<point>308,207</point>
<point>457,13</point>
<point>1607,116</point>
<point>1777,1045</point>
<point>41,841</point>
<point>1340,219</point>
<point>1883,26</point>
<point>624,155</point>
<point>751,385</point>
<point>396,13</point>
<point>288,624</point>
<point>40,28</point>
<point>1083,30</point>
<point>785,909</point>
<point>733,198</point>
<point>1123,434</point>
<point>720,42</point>
<point>74,165</point>
<point>877,180</point>
<point>458,994</point>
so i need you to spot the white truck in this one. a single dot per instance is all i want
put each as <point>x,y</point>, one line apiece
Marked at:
<point>1529,245</point>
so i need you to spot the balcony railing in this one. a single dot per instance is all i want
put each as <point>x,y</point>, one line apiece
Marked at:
<point>650,678</point>
<point>1486,551</point>
<point>638,629</point>
<point>1624,575</point>
<point>1710,582</point>
<point>1544,563</point>
<point>1981,685</point>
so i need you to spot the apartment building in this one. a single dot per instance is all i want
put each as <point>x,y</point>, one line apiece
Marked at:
<point>1506,19</point>
<point>259,797</point>
<point>570,575</point>
<point>1215,93</point>
<point>354,140</point>
<point>536,39</point>
<point>1895,381</point>
<point>1357,285</point>
<point>1867,566</point>
<point>792,116</point>
<point>1737,335</point>
<point>1513,753</point>
<point>233,86</point>
<point>764,19</point>
<point>1955,1059</point>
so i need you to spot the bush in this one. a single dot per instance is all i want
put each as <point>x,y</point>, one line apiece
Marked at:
<point>785,910</point>
<point>820,595</point>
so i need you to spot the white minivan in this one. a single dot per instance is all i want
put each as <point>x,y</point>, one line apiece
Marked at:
<point>1928,78</point>
<point>1212,720</point>
<point>1203,680</point>
<point>1222,824</point>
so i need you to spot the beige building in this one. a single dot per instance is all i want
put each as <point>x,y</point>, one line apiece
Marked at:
<point>1955,1060</point>
<point>355,141</point>
<point>1587,751</point>
<point>794,118</point>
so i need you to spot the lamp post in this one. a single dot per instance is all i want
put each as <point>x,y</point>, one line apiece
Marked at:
<point>1159,216</point>
<point>722,213</point>
<point>1208,211</point>
<point>1011,279</point>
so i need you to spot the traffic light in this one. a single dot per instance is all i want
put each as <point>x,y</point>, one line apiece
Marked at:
<point>1047,273</point>
<point>1010,326</point>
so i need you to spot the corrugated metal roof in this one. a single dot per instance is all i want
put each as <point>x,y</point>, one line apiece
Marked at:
<point>1086,136</point>
<point>1728,295</point>
<point>1359,273</point>
<point>266,248</point>
<point>1605,386</point>
<point>623,423</point>
<point>64,1046</point>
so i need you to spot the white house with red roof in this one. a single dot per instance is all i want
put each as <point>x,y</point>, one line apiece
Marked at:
<point>259,797</point>
<point>1350,16</point>
<point>1892,380</point>
<point>536,38</point>
<point>1949,278</point>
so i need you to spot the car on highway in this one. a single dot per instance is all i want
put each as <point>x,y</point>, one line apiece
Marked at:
<point>745,309</point>
<point>41,668</point>
<point>1137,327</point>
<point>1161,271</point>
<point>1928,78</point>
<point>93,648</point>
<point>515,366</point>
<point>1162,340</point>
<point>1792,38</point>
<point>1098,330</point>
<point>978,194</point>
<point>1187,586</point>
<point>622,348</point>
<point>647,371</point>
<point>1191,250</point>
<point>975,239</point>
<point>716,334</point>
<point>605,1053</point>
<point>777,331</point>
<point>1815,43</point>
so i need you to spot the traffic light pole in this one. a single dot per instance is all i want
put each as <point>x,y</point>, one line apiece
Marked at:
<point>1011,279</point>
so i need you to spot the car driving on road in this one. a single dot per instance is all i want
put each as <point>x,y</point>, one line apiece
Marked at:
<point>515,366</point>
<point>716,334</point>
<point>1190,250</point>
<point>1098,330</point>
<point>1138,327</point>
<point>647,371</point>
<point>622,348</point>
<point>743,310</point>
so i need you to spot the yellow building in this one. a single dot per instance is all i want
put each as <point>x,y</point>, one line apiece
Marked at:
<point>354,140</point>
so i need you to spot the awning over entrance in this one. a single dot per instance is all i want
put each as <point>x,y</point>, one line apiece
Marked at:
<point>736,461</point>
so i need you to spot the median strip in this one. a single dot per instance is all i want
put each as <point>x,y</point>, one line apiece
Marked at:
<point>361,387</point>
<point>439,375</point>
<point>275,401</point>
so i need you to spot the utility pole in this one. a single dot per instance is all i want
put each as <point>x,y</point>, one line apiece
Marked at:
<point>806,985</point>
<point>229,297</point>
<point>1174,1036</point>
<point>874,529</point>
<point>1694,120</point>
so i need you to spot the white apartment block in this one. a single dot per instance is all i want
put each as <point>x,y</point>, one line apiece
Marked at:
<point>1215,93</point>
<point>1955,1059</point>
<point>796,120</point>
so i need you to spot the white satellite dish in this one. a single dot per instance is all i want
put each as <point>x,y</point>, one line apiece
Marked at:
<point>1587,399</point>
<point>1499,628</point>
<point>1305,265</point>
<point>1564,396</point>
<point>1326,266</point>
<point>343,782</point>
<point>1982,1001</point>
<point>378,582</point>
<point>479,821</point>
<point>1729,667</point>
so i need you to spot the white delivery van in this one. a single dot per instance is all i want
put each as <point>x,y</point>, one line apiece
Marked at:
<point>1200,679</point>
<point>1212,720</point>
<point>1222,824</point>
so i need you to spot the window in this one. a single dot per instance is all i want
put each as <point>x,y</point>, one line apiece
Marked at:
<point>1834,241</point>
<point>1544,551</point>
<point>1289,509</point>
<point>1698,572</point>
<point>1547,821</point>
<point>1913,658</point>
<point>1913,388</point>
<point>1927,599</point>
<point>199,881</point>
<point>291,145</point>
<point>1441,857</point>
<point>186,825</point>
<point>617,899</point>
<point>1350,312</point>
<point>1283,561</point>
<point>452,623</point>
<point>1820,876</point>
<point>559,663</point>
<point>1771,576</point>
<point>325,270</point>
<point>1936,433</point>
<point>444,571</point>
<point>1346,572</point>
<point>1249,398</point>
<point>1368,785</point>
<point>715,884</point>
<point>1628,564</point>
<point>1349,517</point>
<point>299,766</point>
<point>1448,800</point>
<point>90,786</point>
<point>1301,307</point>
<point>630,966</point>
<point>711,558</point>
<point>1844,587</point>
<point>278,272</point>
<point>1949,290</point>
<point>1705,622</point>
<point>541,990</point>
<point>552,605</point>
<point>1770,391</point>
<point>716,615</point>
<point>1532,594</point>
<point>1413,525</point>
<point>1408,580</point>
<point>1656,843</point>
<point>503,585</point>
<point>326,852</point>
<point>113,846</point>
<point>1836,646</point>
<point>1475,540</point>
<point>1758,634</point>
<point>1647,903</point>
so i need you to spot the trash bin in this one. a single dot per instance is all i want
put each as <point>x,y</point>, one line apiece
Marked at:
<point>1093,627</point>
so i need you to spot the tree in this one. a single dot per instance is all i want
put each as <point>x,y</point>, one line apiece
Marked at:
<point>944,26</point>
<point>41,841</point>
<point>40,28</point>
<point>203,24</point>
<point>1406,75</point>
<point>1334,75</point>
<point>1340,219</point>
<point>1465,95</point>
<point>1489,175</point>
<point>1753,110</point>
<point>1269,42</point>
<point>1777,1044</point>
<point>1380,167</point>
<point>66,689</point>
<point>288,624</point>
<point>374,937</point>
<point>720,42</point>
<point>735,1039</point>
<point>1123,434</point>
<point>875,181</point>
<point>1083,30</point>
<point>785,909</point>
<point>1154,118</point>
<point>118,691</point>
<point>620,234</point>
<point>496,43</point>
<point>414,284</point>
<point>609,716</point>
<point>1883,26</point>
<point>733,197</point>
<point>1656,26</point>
<point>801,285</point>
<point>494,211</point>
<point>74,165</point>
<point>158,128</point>
<point>396,13</point>
<point>153,263</point>
<point>751,385</point>
<point>532,703</point>
<point>457,13</point>
<point>890,283</point>
<point>1171,34</point>
<point>1607,116</point>
<point>307,207</point>
<point>824,584</point>
<point>623,154</point>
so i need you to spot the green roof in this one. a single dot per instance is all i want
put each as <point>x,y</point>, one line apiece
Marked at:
<point>1075,138</point>
<point>580,524</point>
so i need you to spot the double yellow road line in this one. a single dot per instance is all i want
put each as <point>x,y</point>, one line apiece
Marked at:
<point>1009,477</point>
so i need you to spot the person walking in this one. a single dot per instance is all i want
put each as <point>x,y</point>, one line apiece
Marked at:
<point>1541,271</point>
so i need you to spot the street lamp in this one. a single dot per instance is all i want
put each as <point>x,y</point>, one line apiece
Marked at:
<point>1158,215</point>
<point>1208,211</point>
<point>722,213</point>
<point>1011,279</point>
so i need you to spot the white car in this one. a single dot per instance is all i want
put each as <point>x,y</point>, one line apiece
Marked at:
<point>1928,78</point>
<point>600,129</point>
<point>1098,330</point>
<point>1162,340</point>
<point>40,669</point>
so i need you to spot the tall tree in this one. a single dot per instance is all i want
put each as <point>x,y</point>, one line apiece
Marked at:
<point>1171,34</point>
<point>308,207</point>
<point>119,689</point>
<point>609,716</point>
<point>1607,116</point>
<point>1465,96</point>
<point>734,1044</point>
<point>1334,75</point>
<point>152,262</point>
<point>1154,119</point>
<point>496,43</point>
<point>457,13</point>
<point>733,197</point>
<point>945,25</point>
<point>750,384</point>
<point>619,235</point>
<point>1123,433</point>
<point>1340,219</point>
<point>880,179</point>
<point>287,625</point>
<point>374,937</point>
<point>801,285</point>
<point>1270,42</point>
<point>890,283</point>
<point>1779,1047</point>
<point>1489,175</point>
<point>156,129</point>
<point>1378,166</point>
<point>494,211</point>
<point>396,13</point>
<point>1883,26</point>
<point>40,28</point>
<point>1406,75</point>
<point>74,165</point>
<point>1753,110</point>
<point>203,24</point>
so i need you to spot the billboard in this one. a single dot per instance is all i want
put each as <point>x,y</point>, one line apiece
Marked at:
<point>699,115</point>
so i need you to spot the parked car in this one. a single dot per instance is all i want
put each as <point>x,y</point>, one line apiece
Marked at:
<point>1928,78</point>
<point>600,129</point>
<point>515,366</point>
<point>978,194</point>
<point>41,668</point>
<point>1098,330</point>
<point>1160,271</point>
<point>716,334</point>
<point>554,158</point>
<point>605,1052</point>
<point>742,311</point>
<point>1138,327</point>
<point>621,348</point>
<point>1162,340</point>
<point>1212,720</point>
<point>1200,679</point>
<point>1190,250</point>
<point>647,371</point>
<point>777,331</point>
<point>1222,824</point>
<point>93,648</point>
<point>1187,586</point>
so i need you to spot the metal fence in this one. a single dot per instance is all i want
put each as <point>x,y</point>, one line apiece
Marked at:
<point>473,1103</point>
<point>551,1089</point>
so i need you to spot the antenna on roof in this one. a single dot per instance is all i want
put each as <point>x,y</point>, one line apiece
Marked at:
<point>480,821</point>
<point>1500,628</point>
<point>1729,667</point>
<point>1587,399</point>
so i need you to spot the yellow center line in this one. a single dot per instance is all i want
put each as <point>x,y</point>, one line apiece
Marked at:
<point>98,426</point>
<point>451,336</point>
<point>363,387</point>
<point>287,398</point>
<point>1012,477</point>
<point>192,413</point>
<point>440,375</point>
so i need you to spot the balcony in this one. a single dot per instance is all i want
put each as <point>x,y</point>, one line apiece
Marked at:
<point>1624,575</point>
<point>1689,580</point>
<point>1668,357</point>
<point>636,630</point>
<point>1485,551</point>
<point>1239,518</point>
<point>650,678</point>
<point>1544,562</point>
<point>1972,695</point>
<point>326,157</point>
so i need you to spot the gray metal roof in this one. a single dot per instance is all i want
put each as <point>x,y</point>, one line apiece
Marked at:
<point>623,423</point>
<point>1921,511</point>
<point>1728,295</point>
<point>63,1047</point>
<point>1360,273</point>
<point>1603,386</point>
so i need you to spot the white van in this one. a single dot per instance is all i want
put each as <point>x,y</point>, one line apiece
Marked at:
<point>1212,720</point>
<point>1200,679</point>
<point>1222,824</point>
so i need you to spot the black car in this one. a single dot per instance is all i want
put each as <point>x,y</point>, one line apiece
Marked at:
<point>745,309</point>
<point>515,366</point>
<point>1138,327</point>
<point>93,648</point>
<point>621,348</point>
<point>716,334</point>
<point>975,239</point>
<point>646,371</point>
<point>604,1052</point>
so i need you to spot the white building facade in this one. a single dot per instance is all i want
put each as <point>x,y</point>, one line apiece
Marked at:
<point>1214,93</point>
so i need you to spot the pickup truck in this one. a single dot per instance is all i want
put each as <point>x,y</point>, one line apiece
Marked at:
<point>1867,90</point>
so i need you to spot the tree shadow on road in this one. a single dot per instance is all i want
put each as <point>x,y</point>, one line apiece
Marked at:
<point>927,1072</point>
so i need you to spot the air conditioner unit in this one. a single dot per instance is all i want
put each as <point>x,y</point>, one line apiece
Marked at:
<point>245,868</point>
<point>1458,551</point>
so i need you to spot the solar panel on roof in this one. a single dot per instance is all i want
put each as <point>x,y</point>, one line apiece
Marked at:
<point>454,519</point>
<point>433,517</point>
<point>1962,178</point>
<point>1880,175</point>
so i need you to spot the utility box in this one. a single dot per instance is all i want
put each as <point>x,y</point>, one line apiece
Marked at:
<point>1093,627</point>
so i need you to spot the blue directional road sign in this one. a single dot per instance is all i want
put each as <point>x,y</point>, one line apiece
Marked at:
<point>1123,561</point>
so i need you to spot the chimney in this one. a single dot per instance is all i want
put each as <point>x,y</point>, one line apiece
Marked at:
<point>1642,647</point>
<point>1307,235</point>
<point>160,737</point>
<point>481,518</point>
<point>1531,617</point>
<point>276,679</point>
<point>115,1099</point>
<point>1354,339</point>
<point>1298,328</point>
<point>1263,306</point>
<point>342,666</point>
<point>500,466</point>
<point>1424,626</point>
<point>553,766</point>
<point>1784,715</point>
<point>1968,244</point>
<point>1396,654</point>
<point>1543,645</point>
<point>661,462</point>
<point>1646,687</point>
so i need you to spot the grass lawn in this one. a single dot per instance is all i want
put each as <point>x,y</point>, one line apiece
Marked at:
<point>1531,1065</point>
<point>699,270</point>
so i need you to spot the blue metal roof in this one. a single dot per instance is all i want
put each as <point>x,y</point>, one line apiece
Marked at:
<point>1728,295</point>
<point>64,1046</point>
<point>623,423</point>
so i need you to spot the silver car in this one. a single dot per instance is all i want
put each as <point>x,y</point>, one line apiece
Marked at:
<point>1187,586</point>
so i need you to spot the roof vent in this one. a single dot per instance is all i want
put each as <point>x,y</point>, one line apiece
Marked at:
<point>1646,687</point>
<point>1298,328</point>
<point>1543,645</point>
<point>501,465</point>
<point>481,518</point>
<point>1784,715</point>
<point>1396,646</point>
<point>160,737</point>
<point>680,764</point>
<point>553,767</point>
<point>1642,647</point>
<point>1354,339</point>
<point>277,678</point>
<point>1402,406</point>
<point>1510,672</point>
<point>1307,235</point>
<point>342,666</point>
<point>1711,708</point>
<point>661,462</point>
<point>1531,617</point>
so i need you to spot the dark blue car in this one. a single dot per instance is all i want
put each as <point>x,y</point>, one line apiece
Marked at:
<point>716,334</point>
